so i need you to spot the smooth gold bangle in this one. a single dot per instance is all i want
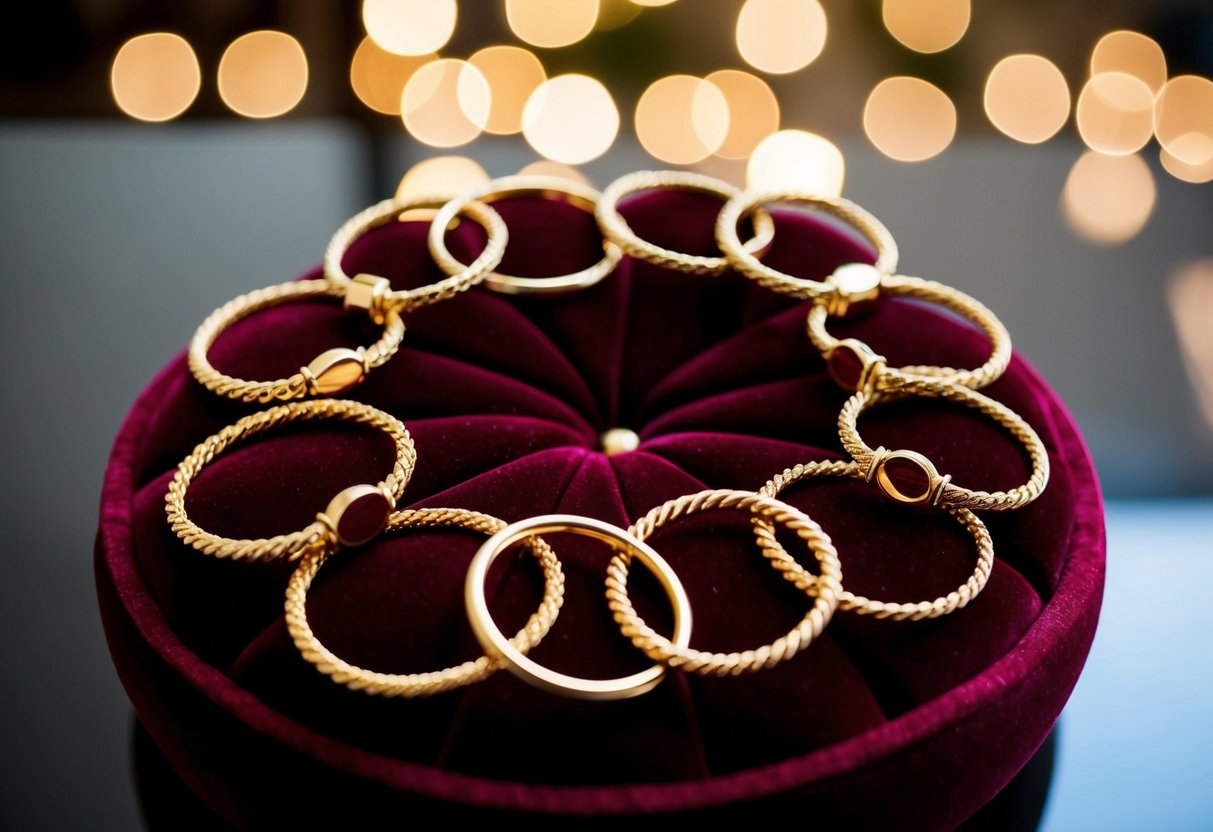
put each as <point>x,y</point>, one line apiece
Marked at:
<point>495,643</point>
<point>461,277</point>
<point>353,517</point>
<point>616,229</point>
<point>328,374</point>
<point>853,365</point>
<point>661,649</point>
<point>546,187</point>
<point>788,566</point>
<point>421,684</point>
<point>909,477</point>
<point>872,229</point>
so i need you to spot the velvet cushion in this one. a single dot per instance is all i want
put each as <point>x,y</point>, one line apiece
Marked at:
<point>913,723</point>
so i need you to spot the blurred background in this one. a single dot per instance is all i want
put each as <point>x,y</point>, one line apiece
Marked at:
<point>1053,159</point>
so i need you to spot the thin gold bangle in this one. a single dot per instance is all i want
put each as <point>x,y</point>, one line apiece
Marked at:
<point>495,643</point>
<point>337,525</point>
<point>421,684</point>
<point>546,187</point>
<point>616,229</point>
<point>661,649</point>
<point>788,566</point>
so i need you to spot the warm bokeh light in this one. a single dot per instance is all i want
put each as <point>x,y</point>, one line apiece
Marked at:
<point>781,36</point>
<point>378,76</point>
<point>1133,54</point>
<point>442,176</point>
<point>1190,294</point>
<point>445,102</point>
<point>753,111</point>
<point>1115,113</point>
<point>908,119</point>
<point>512,74</point>
<point>409,27</point>
<point>1027,98</point>
<point>1195,174</point>
<point>927,25</point>
<point>681,119</point>
<point>551,23</point>
<point>795,159</point>
<point>546,167</point>
<point>155,77</point>
<point>571,119</point>
<point>263,74</point>
<point>1183,118</point>
<point>652,3</point>
<point>1108,199</point>
<point>613,14</point>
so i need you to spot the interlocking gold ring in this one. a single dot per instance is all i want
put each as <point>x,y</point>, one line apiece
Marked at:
<point>853,364</point>
<point>328,374</point>
<point>660,649</point>
<point>495,643</point>
<point>909,477</point>
<point>748,264</point>
<point>421,684</point>
<point>788,566</point>
<point>352,518</point>
<point>616,229</point>
<point>461,278</point>
<point>547,187</point>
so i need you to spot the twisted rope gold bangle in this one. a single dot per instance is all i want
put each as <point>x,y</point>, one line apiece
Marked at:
<point>421,684</point>
<point>786,565</point>
<point>328,530</point>
<point>661,649</point>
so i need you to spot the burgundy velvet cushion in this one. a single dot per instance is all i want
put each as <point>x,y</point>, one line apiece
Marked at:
<point>914,723</point>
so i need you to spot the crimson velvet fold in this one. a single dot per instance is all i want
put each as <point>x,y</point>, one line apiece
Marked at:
<point>912,723</point>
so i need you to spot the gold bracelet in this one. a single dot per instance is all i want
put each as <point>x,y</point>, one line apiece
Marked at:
<point>495,643</point>
<point>661,649</point>
<point>547,187</point>
<point>421,684</point>
<point>909,477</point>
<point>616,229</point>
<point>791,569</point>
<point>352,518</point>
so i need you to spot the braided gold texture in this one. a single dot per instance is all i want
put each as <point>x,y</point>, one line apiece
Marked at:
<point>317,534</point>
<point>429,683</point>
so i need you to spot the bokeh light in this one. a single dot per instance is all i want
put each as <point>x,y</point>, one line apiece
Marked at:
<point>1190,294</point>
<point>1108,199</point>
<point>908,119</point>
<point>155,77</point>
<point>409,27</point>
<point>613,14</point>
<point>378,76</point>
<point>263,74</point>
<point>1027,98</point>
<point>799,160</point>
<point>927,25</point>
<point>1115,113</point>
<point>512,74</point>
<point>781,36</point>
<point>1183,118</point>
<point>1133,54</point>
<point>551,23</point>
<point>652,3</point>
<point>441,176</point>
<point>571,119</point>
<point>445,102</point>
<point>546,167</point>
<point>1194,174</point>
<point>681,119</point>
<point>753,111</point>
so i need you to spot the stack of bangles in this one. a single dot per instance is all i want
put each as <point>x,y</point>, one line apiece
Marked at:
<point>361,513</point>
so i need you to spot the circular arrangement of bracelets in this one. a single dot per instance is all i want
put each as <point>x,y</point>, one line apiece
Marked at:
<point>362,513</point>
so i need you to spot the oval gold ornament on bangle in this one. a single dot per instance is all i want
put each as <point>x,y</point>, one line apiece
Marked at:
<point>748,264</point>
<point>909,477</point>
<point>421,684</point>
<point>791,569</point>
<point>353,517</point>
<point>330,373</point>
<point>381,298</point>
<point>495,643</point>
<point>661,649</point>
<point>616,229</point>
<point>546,187</point>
